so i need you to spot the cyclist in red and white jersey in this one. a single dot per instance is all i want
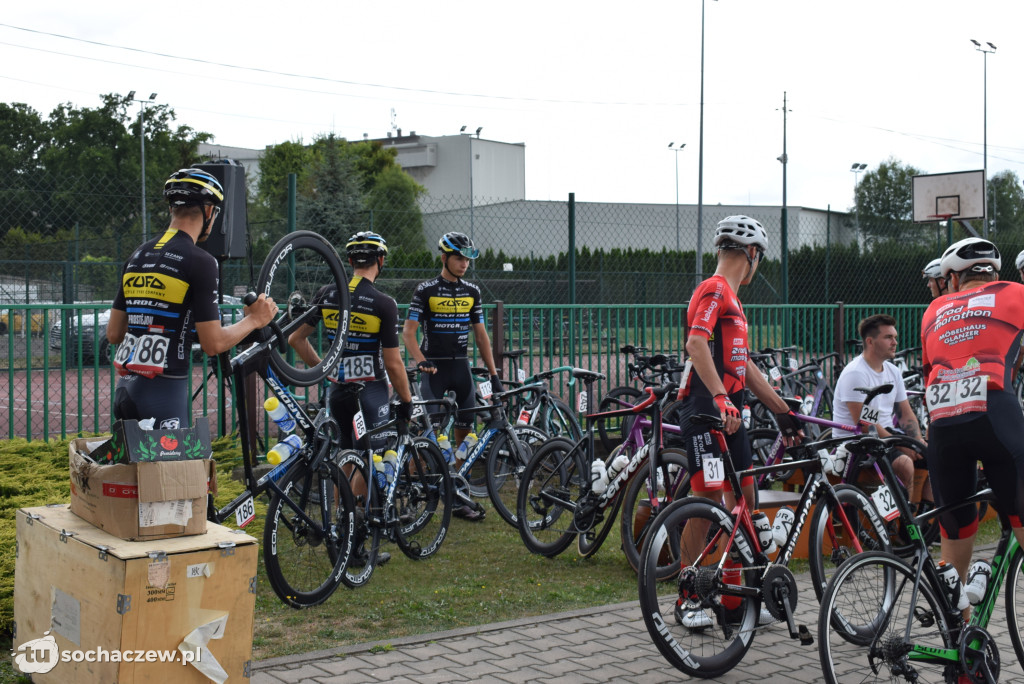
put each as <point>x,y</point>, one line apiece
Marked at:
<point>970,339</point>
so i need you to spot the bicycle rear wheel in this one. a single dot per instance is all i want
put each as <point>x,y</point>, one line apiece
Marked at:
<point>697,625</point>
<point>1015,603</point>
<point>639,509</point>
<point>366,539</point>
<point>830,544</point>
<point>423,500</point>
<point>306,559</point>
<point>295,270</point>
<point>864,619</point>
<point>553,483</point>
<point>505,467</point>
<point>613,431</point>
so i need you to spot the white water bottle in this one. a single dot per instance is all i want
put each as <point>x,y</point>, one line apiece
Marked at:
<point>951,579</point>
<point>616,466</point>
<point>764,531</point>
<point>279,414</point>
<point>746,416</point>
<point>390,461</point>
<point>977,581</point>
<point>598,477</point>
<point>446,449</point>
<point>782,525</point>
<point>466,447</point>
<point>807,405</point>
<point>285,449</point>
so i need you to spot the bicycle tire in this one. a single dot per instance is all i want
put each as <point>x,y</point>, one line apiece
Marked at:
<point>366,538</point>
<point>560,421</point>
<point>639,513</point>
<point>1015,603</point>
<point>829,544</point>
<point>614,431</point>
<point>864,617</point>
<point>554,480</point>
<point>423,501</point>
<point>306,565</point>
<point>296,268</point>
<point>505,467</point>
<point>698,529</point>
<point>673,415</point>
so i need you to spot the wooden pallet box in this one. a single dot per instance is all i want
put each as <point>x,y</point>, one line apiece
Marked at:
<point>81,594</point>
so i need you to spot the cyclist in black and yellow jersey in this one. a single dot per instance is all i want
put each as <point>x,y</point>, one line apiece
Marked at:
<point>166,298</point>
<point>448,308</point>
<point>371,349</point>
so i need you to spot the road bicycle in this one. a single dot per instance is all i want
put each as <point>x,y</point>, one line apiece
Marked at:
<point>706,621</point>
<point>307,538</point>
<point>413,509</point>
<point>887,618</point>
<point>649,371</point>
<point>542,409</point>
<point>558,503</point>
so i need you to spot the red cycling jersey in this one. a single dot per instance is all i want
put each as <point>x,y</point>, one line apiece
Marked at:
<point>715,313</point>
<point>969,335</point>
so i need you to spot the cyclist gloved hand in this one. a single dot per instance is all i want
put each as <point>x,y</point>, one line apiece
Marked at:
<point>426,366</point>
<point>726,407</point>
<point>496,385</point>
<point>403,410</point>
<point>789,426</point>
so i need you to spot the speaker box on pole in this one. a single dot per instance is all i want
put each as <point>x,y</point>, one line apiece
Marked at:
<point>228,236</point>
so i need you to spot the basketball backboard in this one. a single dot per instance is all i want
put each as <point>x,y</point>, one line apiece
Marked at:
<point>959,195</point>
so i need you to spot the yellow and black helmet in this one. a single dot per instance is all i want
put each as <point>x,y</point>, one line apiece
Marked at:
<point>458,243</point>
<point>366,244</point>
<point>191,187</point>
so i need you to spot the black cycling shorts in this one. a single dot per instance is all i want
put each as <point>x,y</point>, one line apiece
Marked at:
<point>994,438</point>
<point>347,399</point>
<point>452,375</point>
<point>700,443</point>
<point>165,399</point>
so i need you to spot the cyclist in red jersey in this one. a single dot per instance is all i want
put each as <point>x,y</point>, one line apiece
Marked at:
<point>717,348</point>
<point>970,339</point>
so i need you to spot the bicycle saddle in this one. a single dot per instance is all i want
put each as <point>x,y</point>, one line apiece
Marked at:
<point>872,392</point>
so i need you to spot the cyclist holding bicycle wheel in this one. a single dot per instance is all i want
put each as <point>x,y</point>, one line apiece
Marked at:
<point>167,297</point>
<point>448,307</point>
<point>970,339</point>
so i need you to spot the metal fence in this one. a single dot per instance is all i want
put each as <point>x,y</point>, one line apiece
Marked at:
<point>59,381</point>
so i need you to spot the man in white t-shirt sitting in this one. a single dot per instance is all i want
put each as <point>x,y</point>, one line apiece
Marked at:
<point>871,369</point>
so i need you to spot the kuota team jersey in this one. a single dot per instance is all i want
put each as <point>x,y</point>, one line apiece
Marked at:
<point>970,342</point>
<point>715,313</point>
<point>446,311</point>
<point>372,320</point>
<point>167,286</point>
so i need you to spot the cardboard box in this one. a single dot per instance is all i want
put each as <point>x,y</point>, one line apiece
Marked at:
<point>131,444</point>
<point>87,594</point>
<point>140,501</point>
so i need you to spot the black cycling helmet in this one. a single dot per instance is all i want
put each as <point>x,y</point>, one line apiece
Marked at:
<point>366,244</point>
<point>457,243</point>
<point>193,187</point>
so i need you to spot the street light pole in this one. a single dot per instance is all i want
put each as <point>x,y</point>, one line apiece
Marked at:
<point>142,155</point>
<point>677,150</point>
<point>785,216</point>
<point>700,162</point>
<point>856,168</point>
<point>980,48</point>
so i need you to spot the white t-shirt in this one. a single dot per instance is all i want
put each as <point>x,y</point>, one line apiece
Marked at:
<point>859,374</point>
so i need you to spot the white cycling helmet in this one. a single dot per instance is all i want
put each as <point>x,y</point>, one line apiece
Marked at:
<point>742,230</point>
<point>1020,260</point>
<point>934,270</point>
<point>975,254</point>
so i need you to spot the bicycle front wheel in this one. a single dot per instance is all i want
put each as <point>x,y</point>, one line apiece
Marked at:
<point>505,466</point>
<point>553,484</point>
<point>698,623</point>
<point>640,508</point>
<point>306,540</point>
<point>423,500</point>
<point>831,543</point>
<point>297,268</point>
<point>870,617</point>
<point>1015,603</point>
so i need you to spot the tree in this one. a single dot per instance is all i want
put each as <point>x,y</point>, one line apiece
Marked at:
<point>1006,206</point>
<point>335,202</point>
<point>885,200</point>
<point>394,212</point>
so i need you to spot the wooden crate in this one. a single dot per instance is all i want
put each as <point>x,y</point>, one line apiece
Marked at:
<point>91,590</point>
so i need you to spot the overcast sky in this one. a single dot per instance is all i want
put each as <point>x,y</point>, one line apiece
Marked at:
<point>596,90</point>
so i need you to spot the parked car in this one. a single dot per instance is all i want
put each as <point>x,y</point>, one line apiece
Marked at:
<point>93,333</point>
<point>13,320</point>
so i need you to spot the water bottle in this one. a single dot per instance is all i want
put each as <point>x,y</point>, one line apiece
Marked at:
<point>446,449</point>
<point>279,414</point>
<point>807,405</point>
<point>378,471</point>
<point>951,580</point>
<point>390,465</point>
<point>598,477</point>
<point>285,449</point>
<point>783,525</point>
<point>746,416</point>
<point>977,581</point>
<point>764,531</point>
<point>466,447</point>
<point>616,466</point>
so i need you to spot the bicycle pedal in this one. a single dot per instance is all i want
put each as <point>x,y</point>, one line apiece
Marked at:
<point>805,636</point>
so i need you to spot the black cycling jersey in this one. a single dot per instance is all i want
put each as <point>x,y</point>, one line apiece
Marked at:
<point>446,310</point>
<point>167,286</point>
<point>372,325</point>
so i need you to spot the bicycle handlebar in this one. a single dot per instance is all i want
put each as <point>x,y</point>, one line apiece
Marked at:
<point>282,342</point>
